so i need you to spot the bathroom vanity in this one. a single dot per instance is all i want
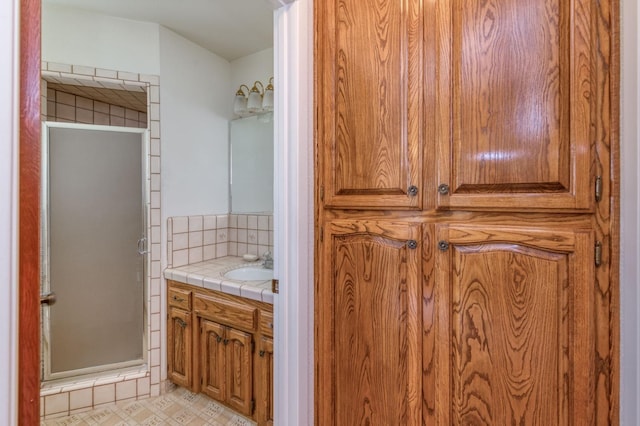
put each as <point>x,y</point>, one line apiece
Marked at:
<point>220,337</point>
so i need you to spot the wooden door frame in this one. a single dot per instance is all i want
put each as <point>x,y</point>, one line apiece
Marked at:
<point>29,215</point>
<point>294,317</point>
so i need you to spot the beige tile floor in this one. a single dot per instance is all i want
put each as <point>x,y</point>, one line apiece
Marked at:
<point>176,408</point>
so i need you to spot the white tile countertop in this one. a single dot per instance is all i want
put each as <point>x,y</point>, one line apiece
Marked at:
<point>210,274</point>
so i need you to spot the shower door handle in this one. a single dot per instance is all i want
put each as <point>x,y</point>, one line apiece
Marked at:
<point>48,299</point>
<point>141,244</point>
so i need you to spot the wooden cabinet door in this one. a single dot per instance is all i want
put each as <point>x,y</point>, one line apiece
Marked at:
<point>370,103</point>
<point>264,403</point>
<point>239,366</point>
<point>513,114</point>
<point>513,317</point>
<point>212,359</point>
<point>179,347</point>
<point>368,304</point>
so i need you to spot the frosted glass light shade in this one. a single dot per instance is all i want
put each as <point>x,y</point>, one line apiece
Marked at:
<point>240,104</point>
<point>254,104</point>
<point>240,101</point>
<point>267,100</point>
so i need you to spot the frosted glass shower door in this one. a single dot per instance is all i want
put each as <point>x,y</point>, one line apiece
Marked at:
<point>96,225</point>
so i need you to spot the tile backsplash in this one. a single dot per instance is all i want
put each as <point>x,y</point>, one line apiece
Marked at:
<point>193,239</point>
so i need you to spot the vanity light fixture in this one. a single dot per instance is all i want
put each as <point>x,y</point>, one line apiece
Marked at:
<point>256,100</point>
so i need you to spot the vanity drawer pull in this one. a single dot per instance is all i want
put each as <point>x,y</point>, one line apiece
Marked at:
<point>179,298</point>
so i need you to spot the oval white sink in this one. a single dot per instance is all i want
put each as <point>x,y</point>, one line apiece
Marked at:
<point>250,273</point>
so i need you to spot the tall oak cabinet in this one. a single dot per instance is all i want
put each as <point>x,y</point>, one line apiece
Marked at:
<point>466,212</point>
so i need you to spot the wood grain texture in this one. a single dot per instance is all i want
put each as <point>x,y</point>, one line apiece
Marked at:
<point>179,347</point>
<point>607,214</point>
<point>237,314</point>
<point>29,216</point>
<point>372,367</point>
<point>515,104</point>
<point>515,330</point>
<point>239,370</point>
<point>212,360</point>
<point>373,102</point>
<point>509,337</point>
<point>264,406</point>
<point>223,355</point>
<point>429,323</point>
<point>536,85</point>
<point>179,298</point>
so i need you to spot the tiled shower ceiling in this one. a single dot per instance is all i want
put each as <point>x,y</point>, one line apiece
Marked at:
<point>136,100</point>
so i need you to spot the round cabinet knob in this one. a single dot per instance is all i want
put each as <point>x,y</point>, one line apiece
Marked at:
<point>443,189</point>
<point>412,191</point>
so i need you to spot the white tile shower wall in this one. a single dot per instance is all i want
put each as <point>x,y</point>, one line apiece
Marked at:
<point>193,239</point>
<point>69,398</point>
<point>68,108</point>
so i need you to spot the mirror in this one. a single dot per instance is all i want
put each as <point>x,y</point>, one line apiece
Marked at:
<point>251,152</point>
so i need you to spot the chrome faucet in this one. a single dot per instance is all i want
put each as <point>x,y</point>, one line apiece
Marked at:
<point>267,260</point>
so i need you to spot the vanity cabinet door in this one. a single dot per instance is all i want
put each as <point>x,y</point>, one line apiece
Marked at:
<point>226,365</point>
<point>239,366</point>
<point>212,359</point>
<point>264,390</point>
<point>179,345</point>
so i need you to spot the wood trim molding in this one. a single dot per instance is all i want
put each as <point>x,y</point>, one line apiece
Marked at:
<point>29,216</point>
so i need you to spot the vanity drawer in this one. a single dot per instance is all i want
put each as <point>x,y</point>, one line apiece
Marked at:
<point>266,323</point>
<point>179,298</point>
<point>240,316</point>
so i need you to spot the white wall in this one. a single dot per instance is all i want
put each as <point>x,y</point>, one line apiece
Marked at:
<point>8,205</point>
<point>630,209</point>
<point>248,69</point>
<point>77,37</point>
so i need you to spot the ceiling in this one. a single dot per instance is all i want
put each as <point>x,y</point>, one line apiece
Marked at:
<point>229,28</point>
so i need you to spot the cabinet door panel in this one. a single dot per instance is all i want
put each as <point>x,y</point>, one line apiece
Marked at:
<point>265,400</point>
<point>212,359</point>
<point>515,333</point>
<point>370,105</point>
<point>239,370</point>
<point>179,347</point>
<point>368,316</point>
<point>514,104</point>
